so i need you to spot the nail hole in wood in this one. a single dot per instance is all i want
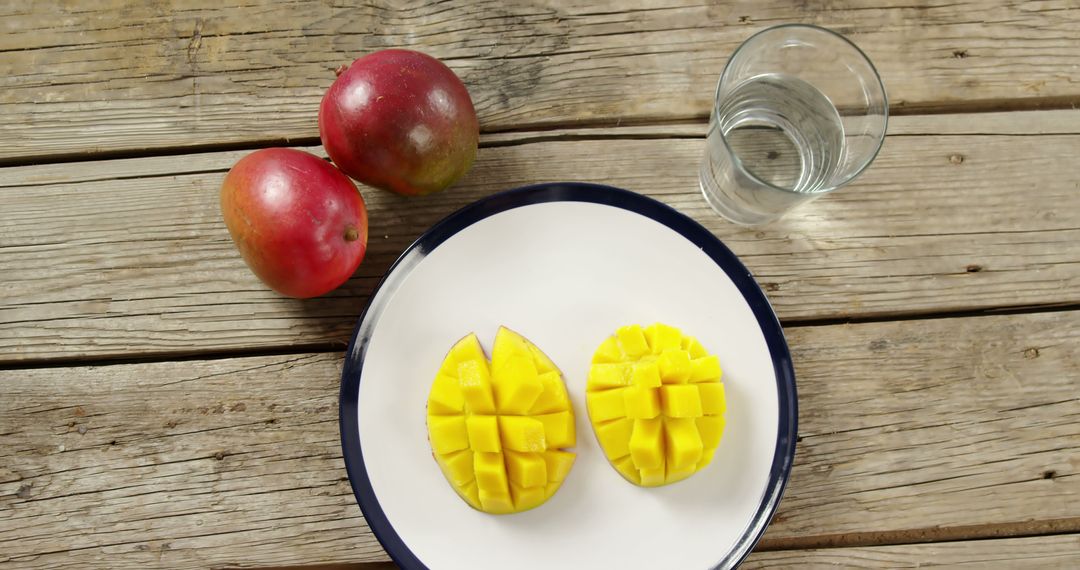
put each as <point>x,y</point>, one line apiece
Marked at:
<point>1049,474</point>
<point>974,268</point>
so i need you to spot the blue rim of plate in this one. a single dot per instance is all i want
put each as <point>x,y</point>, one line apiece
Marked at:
<point>572,192</point>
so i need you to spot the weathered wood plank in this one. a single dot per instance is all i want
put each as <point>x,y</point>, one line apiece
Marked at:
<point>908,429</point>
<point>121,76</point>
<point>129,257</point>
<point>1035,552</point>
<point>183,464</point>
<point>1029,552</point>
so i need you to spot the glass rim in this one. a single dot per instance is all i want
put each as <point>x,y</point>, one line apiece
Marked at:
<point>737,161</point>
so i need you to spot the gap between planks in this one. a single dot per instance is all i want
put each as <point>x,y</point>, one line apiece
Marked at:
<point>991,123</point>
<point>329,347</point>
<point>1024,529</point>
<point>616,128</point>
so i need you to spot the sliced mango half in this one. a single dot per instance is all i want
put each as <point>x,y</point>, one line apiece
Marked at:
<point>656,403</point>
<point>499,428</point>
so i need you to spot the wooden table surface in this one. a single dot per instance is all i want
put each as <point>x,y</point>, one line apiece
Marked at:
<point>161,407</point>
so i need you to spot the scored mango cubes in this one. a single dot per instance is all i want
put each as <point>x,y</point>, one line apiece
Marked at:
<point>498,429</point>
<point>656,403</point>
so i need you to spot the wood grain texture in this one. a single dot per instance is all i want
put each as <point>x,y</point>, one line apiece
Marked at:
<point>78,79</point>
<point>910,427</point>
<point>1029,552</point>
<point>182,464</point>
<point>1036,552</point>
<point>905,427</point>
<point>129,257</point>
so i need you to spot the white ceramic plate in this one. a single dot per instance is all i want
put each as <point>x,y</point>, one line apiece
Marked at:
<point>565,265</point>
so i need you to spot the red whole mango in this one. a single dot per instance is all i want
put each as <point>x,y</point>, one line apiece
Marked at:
<point>300,224</point>
<point>400,120</point>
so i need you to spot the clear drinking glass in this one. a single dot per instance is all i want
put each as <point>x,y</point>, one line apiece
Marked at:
<point>799,111</point>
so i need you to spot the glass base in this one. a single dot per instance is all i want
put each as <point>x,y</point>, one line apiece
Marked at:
<point>732,214</point>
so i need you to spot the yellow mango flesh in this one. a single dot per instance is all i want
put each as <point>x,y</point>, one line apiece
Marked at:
<point>656,403</point>
<point>498,429</point>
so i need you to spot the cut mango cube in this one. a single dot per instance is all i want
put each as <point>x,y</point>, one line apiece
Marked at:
<point>558,465</point>
<point>626,467</point>
<point>483,433</point>
<point>490,471</point>
<point>606,405</point>
<point>680,401</point>
<point>614,437</point>
<point>675,366</point>
<point>508,344</point>
<point>682,442</point>
<point>662,338</point>
<point>632,341</point>
<point>543,363</point>
<point>465,350</point>
<point>705,369</point>
<point>656,404</point>
<point>652,477</point>
<point>711,429</point>
<point>496,503</point>
<point>470,493</point>
<point>646,374</point>
<point>445,397</point>
<point>476,386</point>
<point>517,385</point>
<point>706,458</point>
<point>713,402</point>
<point>607,375</point>
<point>526,498</point>
<point>526,469</point>
<point>609,351</point>
<point>457,466</point>
<point>647,444</point>
<point>558,429</point>
<point>641,403</point>
<point>553,397</point>
<point>447,433</point>
<point>521,433</point>
<point>691,345</point>
<point>498,428</point>
<point>675,475</point>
